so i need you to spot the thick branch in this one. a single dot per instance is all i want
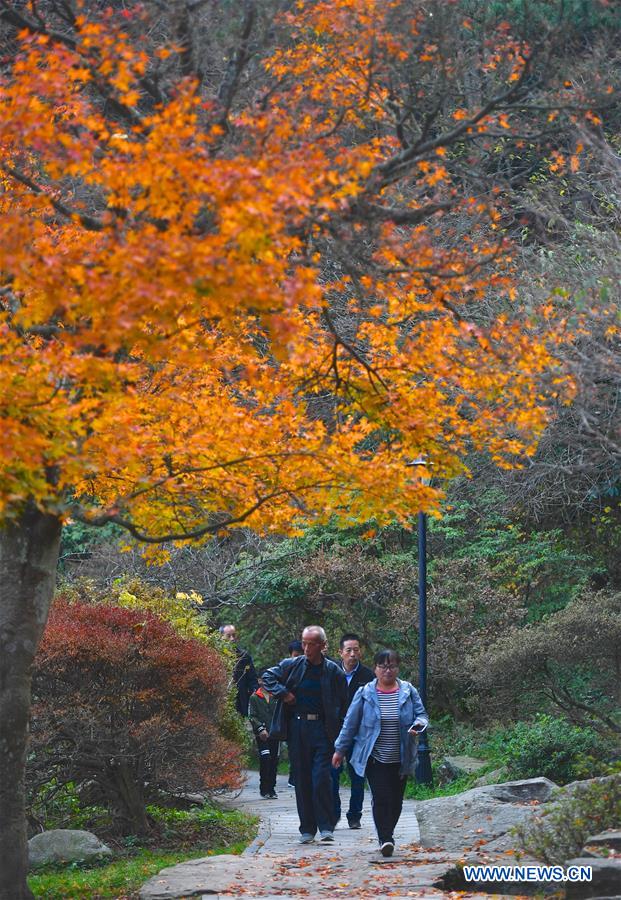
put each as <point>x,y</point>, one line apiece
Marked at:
<point>230,82</point>
<point>89,222</point>
<point>400,215</point>
<point>195,533</point>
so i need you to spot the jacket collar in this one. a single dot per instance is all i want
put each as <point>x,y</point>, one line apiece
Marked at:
<point>355,671</point>
<point>371,694</point>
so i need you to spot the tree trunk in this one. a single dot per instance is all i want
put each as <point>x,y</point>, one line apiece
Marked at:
<point>127,800</point>
<point>29,548</point>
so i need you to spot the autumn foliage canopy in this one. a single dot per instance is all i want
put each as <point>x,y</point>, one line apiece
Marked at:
<point>222,310</point>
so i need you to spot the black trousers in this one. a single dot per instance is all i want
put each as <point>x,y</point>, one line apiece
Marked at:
<point>268,764</point>
<point>387,790</point>
<point>311,752</point>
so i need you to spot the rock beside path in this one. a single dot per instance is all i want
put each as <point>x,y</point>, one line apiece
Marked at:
<point>197,877</point>
<point>481,815</point>
<point>496,776</point>
<point>607,840</point>
<point>61,845</point>
<point>606,881</point>
<point>453,767</point>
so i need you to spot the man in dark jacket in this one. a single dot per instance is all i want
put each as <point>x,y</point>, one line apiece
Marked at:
<point>314,692</point>
<point>244,673</point>
<point>357,675</point>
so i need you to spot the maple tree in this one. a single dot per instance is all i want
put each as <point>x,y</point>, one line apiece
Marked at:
<point>226,307</point>
<point>128,707</point>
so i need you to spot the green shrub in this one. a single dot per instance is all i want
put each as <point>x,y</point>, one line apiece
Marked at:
<point>561,833</point>
<point>205,825</point>
<point>415,791</point>
<point>58,805</point>
<point>548,747</point>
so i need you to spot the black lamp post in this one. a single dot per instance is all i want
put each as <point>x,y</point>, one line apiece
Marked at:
<point>423,763</point>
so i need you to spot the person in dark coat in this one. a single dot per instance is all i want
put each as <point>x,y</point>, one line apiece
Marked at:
<point>260,711</point>
<point>357,675</point>
<point>295,649</point>
<point>314,692</point>
<point>244,674</point>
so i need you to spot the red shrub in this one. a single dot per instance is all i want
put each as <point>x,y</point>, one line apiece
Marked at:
<point>123,702</point>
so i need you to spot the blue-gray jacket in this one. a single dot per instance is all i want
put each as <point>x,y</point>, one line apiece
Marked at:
<point>362,725</point>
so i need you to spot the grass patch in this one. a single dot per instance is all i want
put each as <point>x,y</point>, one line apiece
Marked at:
<point>177,836</point>
<point>414,791</point>
<point>119,880</point>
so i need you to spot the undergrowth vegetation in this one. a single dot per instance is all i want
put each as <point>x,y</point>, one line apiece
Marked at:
<point>561,833</point>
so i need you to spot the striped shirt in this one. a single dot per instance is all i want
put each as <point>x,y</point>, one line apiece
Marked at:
<point>387,747</point>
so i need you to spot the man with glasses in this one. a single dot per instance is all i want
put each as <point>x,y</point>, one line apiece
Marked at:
<point>314,690</point>
<point>357,675</point>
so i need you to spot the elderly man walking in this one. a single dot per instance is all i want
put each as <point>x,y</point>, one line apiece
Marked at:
<point>314,692</point>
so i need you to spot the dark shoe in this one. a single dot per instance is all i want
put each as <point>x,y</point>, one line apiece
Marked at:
<point>354,823</point>
<point>265,797</point>
<point>387,848</point>
<point>273,795</point>
<point>290,784</point>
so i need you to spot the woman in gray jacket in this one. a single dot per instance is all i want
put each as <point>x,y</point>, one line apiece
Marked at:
<point>379,739</point>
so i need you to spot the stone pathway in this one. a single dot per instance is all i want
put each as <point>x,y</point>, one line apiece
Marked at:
<point>276,866</point>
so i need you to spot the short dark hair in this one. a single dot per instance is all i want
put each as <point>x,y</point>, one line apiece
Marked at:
<point>349,636</point>
<point>386,656</point>
<point>295,645</point>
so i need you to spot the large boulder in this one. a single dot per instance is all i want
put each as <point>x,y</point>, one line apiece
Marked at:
<point>496,776</point>
<point>65,845</point>
<point>481,815</point>
<point>453,767</point>
<point>606,880</point>
<point>601,844</point>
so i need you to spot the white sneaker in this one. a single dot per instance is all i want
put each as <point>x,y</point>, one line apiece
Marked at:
<point>306,838</point>
<point>327,837</point>
<point>387,848</point>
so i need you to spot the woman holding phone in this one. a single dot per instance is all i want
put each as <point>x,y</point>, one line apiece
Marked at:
<point>379,739</point>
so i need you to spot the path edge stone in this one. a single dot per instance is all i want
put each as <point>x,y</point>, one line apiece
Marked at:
<point>263,834</point>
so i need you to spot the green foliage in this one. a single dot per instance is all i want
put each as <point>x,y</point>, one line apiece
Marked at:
<point>572,17</point>
<point>544,569</point>
<point>180,611</point>
<point>570,659</point>
<point>57,805</point>
<point>340,579</point>
<point>176,835</point>
<point>548,747</point>
<point>78,541</point>
<point>414,791</point>
<point>111,881</point>
<point>561,833</point>
<point>206,825</point>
